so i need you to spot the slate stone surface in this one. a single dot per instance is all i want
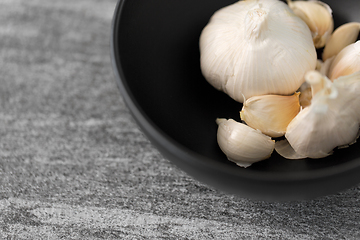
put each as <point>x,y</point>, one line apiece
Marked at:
<point>74,165</point>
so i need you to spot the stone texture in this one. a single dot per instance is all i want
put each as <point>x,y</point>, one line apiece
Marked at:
<point>74,165</point>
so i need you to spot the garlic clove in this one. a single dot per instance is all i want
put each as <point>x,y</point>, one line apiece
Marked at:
<point>242,144</point>
<point>318,16</point>
<point>327,123</point>
<point>346,62</point>
<point>256,47</point>
<point>270,113</point>
<point>343,36</point>
<point>324,67</point>
<point>284,149</point>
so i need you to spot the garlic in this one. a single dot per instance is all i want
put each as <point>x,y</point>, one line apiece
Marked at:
<point>256,47</point>
<point>325,66</point>
<point>270,114</point>
<point>305,95</point>
<point>328,122</point>
<point>318,16</point>
<point>346,62</point>
<point>242,144</point>
<point>343,36</point>
<point>284,149</point>
<point>350,85</point>
<point>305,89</point>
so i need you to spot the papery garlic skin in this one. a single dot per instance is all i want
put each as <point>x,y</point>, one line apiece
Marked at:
<point>256,47</point>
<point>350,85</point>
<point>318,16</point>
<point>270,114</point>
<point>346,62</point>
<point>242,144</point>
<point>343,36</point>
<point>305,95</point>
<point>325,66</point>
<point>284,149</point>
<point>327,123</point>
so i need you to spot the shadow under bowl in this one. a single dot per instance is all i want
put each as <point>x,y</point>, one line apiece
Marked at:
<point>155,56</point>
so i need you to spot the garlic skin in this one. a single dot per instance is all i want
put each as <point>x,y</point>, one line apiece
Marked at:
<point>350,85</point>
<point>327,123</point>
<point>343,36</point>
<point>242,144</point>
<point>305,95</point>
<point>271,114</point>
<point>346,62</point>
<point>318,16</point>
<point>284,149</point>
<point>325,66</point>
<point>256,47</point>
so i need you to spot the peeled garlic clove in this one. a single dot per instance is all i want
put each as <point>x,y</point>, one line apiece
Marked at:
<point>318,16</point>
<point>346,62</point>
<point>256,47</point>
<point>343,36</point>
<point>327,123</point>
<point>242,144</point>
<point>270,114</point>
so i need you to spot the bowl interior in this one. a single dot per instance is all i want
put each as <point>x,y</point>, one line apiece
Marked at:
<point>157,52</point>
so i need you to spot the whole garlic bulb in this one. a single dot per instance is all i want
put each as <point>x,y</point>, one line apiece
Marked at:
<point>242,144</point>
<point>256,47</point>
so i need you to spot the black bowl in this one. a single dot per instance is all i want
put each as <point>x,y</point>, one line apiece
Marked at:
<point>155,55</point>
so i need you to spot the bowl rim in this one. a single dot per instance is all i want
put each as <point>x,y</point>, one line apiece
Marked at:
<point>176,152</point>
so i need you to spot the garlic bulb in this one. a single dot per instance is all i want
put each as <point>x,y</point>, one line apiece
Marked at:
<point>270,114</point>
<point>343,36</point>
<point>318,16</point>
<point>256,47</point>
<point>242,144</point>
<point>327,123</point>
<point>346,62</point>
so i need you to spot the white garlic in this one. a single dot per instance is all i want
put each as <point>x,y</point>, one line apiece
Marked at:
<point>343,36</point>
<point>318,16</point>
<point>305,95</point>
<point>350,86</point>
<point>242,144</point>
<point>346,62</point>
<point>270,114</point>
<point>324,67</point>
<point>284,149</point>
<point>327,123</point>
<point>256,47</point>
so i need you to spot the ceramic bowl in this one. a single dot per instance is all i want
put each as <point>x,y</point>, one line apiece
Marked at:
<point>155,56</point>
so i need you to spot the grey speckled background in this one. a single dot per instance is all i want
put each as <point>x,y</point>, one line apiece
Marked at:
<point>73,164</point>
